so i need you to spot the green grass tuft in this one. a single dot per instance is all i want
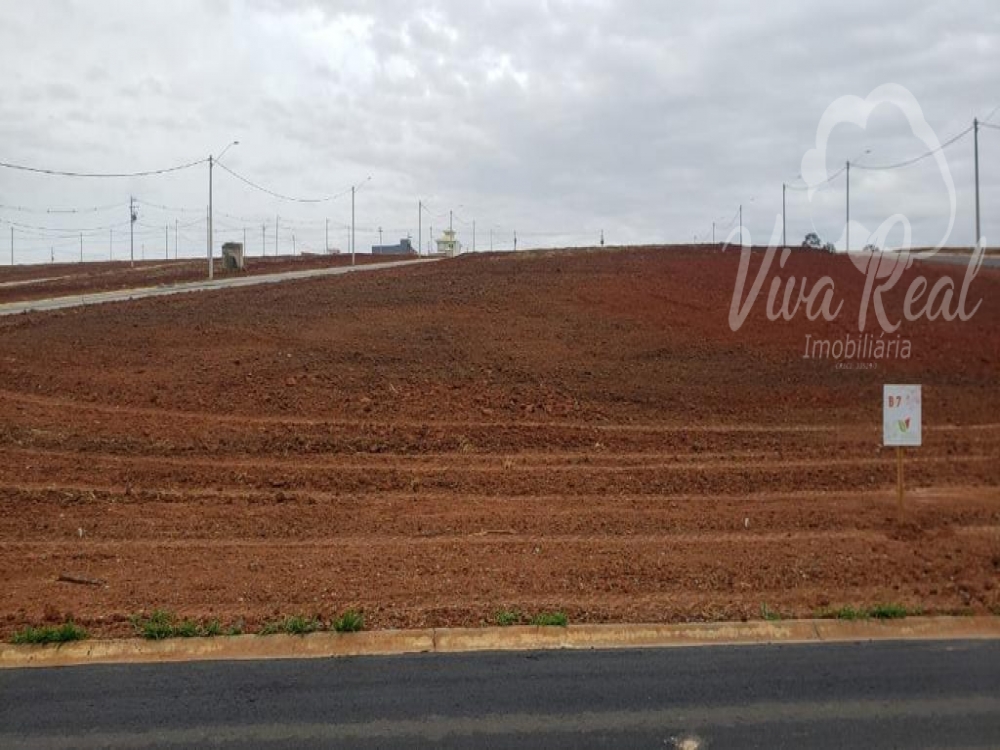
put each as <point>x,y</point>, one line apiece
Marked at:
<point>507,617</point>
<point>296,625</point>
<point>350,622</point>
<point>766,613</point>
<point>876,612</point>
<point>551,620</point>
<point>156,627</point>
<point>890,612</point>
<point>163,624</point>
<point>302,625</point>
<point>64,633</point>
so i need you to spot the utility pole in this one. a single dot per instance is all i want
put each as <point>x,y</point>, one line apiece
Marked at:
<point>848,206</point>
<point>211,165</point>
<point>975,128</point>
<point>451,219</point>
<point>380,237</point>
<point>420,227</point>
<point>131,231</point>
<point>515,240</point>
<point>211,235</point>
<point>784,226</point>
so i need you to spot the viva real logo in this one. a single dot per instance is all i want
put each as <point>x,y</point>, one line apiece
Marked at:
<point>787,297</point>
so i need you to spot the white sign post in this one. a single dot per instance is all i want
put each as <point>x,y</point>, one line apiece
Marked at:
<point>902,424</point>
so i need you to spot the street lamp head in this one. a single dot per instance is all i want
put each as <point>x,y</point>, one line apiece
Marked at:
<point>234,143</point>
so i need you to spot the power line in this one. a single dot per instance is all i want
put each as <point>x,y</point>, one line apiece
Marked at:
<point>989,125</point>
<point>277,195</point>
<point>827,181</point>
<point>169,208</point>
<point>64,230</point>
<point>113,175</point>
<point>60,211</point>
<point>914,160</point>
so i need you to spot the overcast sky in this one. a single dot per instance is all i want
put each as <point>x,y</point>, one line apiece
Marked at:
<point>642,118</point>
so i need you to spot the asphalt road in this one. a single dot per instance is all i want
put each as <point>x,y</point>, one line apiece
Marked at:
<point>121,295</point>
<point>870,695</point>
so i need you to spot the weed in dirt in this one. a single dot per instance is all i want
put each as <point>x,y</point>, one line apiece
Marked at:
<point>766,613</point>
<point>877,612</point>
<point>551,620</point>
<point>350,622</point>
<point>156,627</point>
<point>271,628</point>
<point>302,625</point>
<point>64,633</point>
<point>296,625</point>
<point>890,612</point>
<point>507,617</point>
<point>163,624</point>
<point>187,629</point>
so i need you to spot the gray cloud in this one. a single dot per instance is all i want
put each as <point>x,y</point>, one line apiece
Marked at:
<point>645,119</point>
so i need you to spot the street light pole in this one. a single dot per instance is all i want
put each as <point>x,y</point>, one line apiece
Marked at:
<point>354,190</point>
<point>211,164</point>
<point>211,238</point>
<point>975,127</point>
<point>131,231</point>
<point>784,225</point>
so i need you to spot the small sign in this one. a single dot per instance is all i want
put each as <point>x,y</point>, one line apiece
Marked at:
<point>902,426</point>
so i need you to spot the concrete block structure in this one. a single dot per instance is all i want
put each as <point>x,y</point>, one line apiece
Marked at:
<point>232,256</point>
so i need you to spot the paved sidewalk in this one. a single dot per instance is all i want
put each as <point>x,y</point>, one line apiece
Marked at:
<point>121,295</point>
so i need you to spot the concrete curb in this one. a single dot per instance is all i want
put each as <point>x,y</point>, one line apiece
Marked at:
<point>396,642</point>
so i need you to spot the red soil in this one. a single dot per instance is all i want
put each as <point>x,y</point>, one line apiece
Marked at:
<point>575,431</point>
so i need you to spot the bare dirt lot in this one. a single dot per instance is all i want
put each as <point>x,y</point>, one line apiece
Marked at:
<point>547,431</point>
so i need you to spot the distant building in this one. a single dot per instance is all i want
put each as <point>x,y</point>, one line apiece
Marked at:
<point>405,247</point>
<point>448,245</point>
